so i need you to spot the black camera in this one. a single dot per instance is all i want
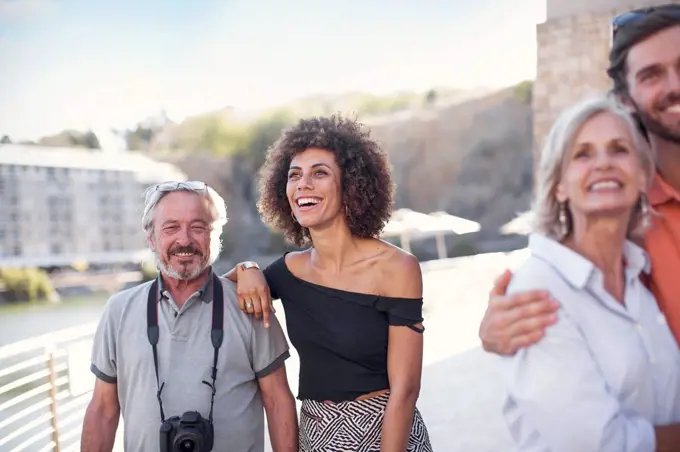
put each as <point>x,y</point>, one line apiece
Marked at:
<point>188,433</point>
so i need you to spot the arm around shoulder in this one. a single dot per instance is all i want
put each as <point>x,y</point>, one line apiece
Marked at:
<point>516,316</point>
<point>557,395</point>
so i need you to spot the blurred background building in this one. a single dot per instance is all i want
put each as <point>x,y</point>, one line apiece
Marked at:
<point>65,207</point>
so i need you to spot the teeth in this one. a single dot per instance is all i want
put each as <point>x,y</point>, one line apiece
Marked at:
<point>604,185</point>
<point>307,201</point>
<point>674,108</point>
<point>184,254</point>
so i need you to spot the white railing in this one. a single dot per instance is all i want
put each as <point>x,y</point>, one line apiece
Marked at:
<point>45,387</point>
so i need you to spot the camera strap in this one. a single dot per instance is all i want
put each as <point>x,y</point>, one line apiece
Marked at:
<point>216,335</point>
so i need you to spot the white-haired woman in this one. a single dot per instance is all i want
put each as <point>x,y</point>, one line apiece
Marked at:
<point>606,376</point>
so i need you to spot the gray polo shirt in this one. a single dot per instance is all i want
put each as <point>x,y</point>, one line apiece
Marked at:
<point>122,354</point>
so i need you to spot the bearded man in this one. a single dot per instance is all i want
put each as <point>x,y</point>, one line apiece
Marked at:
<point>176,357</point>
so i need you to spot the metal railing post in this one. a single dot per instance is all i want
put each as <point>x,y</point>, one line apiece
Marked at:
<point>53,398</point>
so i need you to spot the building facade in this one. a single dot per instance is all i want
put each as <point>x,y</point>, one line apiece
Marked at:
<point>61,207</point>
<point>573,52</point>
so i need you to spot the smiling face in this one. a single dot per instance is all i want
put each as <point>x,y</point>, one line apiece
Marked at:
<point>314,188</point>
<point>653,80</point>
<point>602,173</point>
<point>181,235</point>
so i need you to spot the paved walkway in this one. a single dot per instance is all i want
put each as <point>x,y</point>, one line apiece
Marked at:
<point>460,396</point>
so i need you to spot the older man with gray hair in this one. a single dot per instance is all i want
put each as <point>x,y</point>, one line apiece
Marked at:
<point>175,356</point>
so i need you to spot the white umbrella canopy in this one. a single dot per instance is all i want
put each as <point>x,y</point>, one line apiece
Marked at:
<point>521,224</point>
<point>455,224</point>
<point>408,221</point>
<point>408,224</point>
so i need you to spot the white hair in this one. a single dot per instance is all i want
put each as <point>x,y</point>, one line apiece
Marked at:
<point>553,157</point>
<point>153,194</point>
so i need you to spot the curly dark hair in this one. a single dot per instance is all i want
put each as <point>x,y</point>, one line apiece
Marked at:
<point>659,18</point>
<point>367,186</point>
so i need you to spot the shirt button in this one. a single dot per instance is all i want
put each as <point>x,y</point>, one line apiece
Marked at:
<point>638,326</point>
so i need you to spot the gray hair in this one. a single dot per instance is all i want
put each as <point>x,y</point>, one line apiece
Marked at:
<point>154,193</point>
<point>546,208</point>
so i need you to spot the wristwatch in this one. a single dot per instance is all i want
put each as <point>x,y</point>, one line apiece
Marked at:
<point>249,264</point>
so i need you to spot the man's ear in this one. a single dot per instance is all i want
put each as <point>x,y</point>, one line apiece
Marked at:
<point>626,102</point>
<point>152,245</point>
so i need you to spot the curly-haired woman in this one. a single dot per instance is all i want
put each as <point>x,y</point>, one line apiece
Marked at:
<point>353,302</point>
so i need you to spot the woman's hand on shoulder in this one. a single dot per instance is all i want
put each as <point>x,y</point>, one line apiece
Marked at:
<point>253,293</point>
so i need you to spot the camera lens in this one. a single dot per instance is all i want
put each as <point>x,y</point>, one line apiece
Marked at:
<point>187,442</point>
<point>187,446</point>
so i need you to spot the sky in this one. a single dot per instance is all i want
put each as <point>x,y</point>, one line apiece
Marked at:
<point>102,64</point>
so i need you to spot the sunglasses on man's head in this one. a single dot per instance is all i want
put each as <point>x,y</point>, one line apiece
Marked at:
<point>630,17</point>
<point>192,185</point>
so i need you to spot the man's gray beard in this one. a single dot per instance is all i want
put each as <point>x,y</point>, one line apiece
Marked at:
<point>174,274</point>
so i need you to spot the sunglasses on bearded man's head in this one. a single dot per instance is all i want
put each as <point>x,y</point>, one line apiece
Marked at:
<point>630,17</point>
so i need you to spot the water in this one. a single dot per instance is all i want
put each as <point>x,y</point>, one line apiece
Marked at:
<point>22,322</point>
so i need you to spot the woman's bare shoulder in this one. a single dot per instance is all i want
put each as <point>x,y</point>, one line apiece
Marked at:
<point>296,259</point>
<point>401,273</point>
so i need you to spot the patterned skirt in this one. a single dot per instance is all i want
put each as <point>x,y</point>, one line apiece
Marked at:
<point>353,426</point>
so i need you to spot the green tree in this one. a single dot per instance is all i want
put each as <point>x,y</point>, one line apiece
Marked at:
<point>140,138</point>
<point>524,92</point>
<point>26,284</point>
<point>213,134</point>
<point>89,140</point>
<point>263,133</point>
<point>72,138</point>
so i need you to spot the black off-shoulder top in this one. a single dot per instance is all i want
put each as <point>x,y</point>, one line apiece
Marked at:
<point>340,336</point>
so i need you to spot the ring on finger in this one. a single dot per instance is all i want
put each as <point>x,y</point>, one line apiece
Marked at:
<point>249,304</point>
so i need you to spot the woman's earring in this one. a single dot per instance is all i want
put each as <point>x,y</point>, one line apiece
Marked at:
<point>563,219</point>
<point>645,211</point>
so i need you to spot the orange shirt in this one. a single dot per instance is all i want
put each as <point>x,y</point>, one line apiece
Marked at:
<point>663,245</point>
